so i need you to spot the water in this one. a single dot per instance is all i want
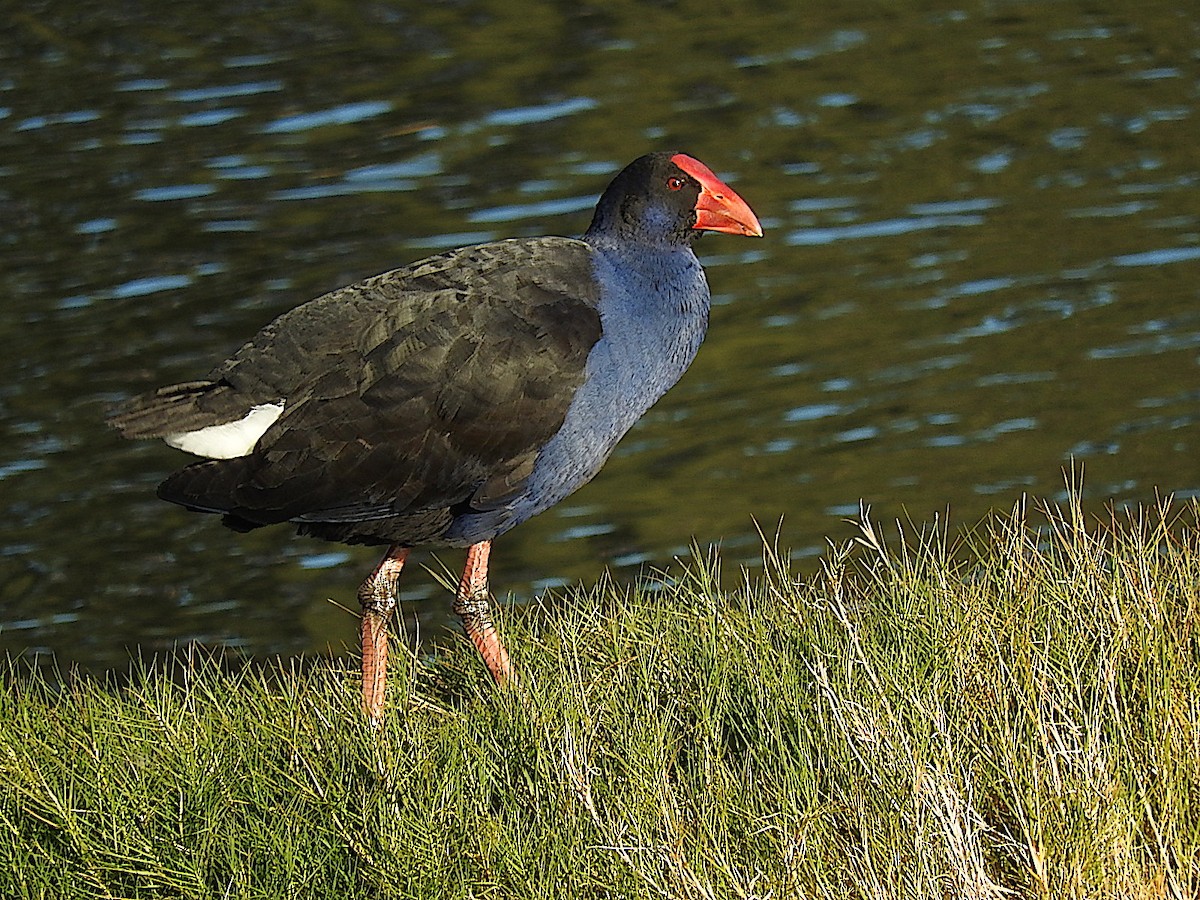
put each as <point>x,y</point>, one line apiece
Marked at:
<point>981,264</point>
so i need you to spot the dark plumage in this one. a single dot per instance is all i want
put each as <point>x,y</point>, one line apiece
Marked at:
<point>448,401</point>
<point>430,389</point>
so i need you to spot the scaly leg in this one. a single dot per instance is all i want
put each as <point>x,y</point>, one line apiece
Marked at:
<point>471,605</point>
<point>377,596</point>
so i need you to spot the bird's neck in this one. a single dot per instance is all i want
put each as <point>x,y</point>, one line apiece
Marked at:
<point>652,270</point>
<point>653,308</point>
<point>661,287</point>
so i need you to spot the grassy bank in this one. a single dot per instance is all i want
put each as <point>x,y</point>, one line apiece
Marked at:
<point>1017,715</point>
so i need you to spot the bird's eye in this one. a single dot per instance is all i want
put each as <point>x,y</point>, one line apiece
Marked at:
<point>675,183</point>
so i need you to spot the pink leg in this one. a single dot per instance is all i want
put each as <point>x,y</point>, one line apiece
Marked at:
<point>471,605</point>
<point>377,596</point>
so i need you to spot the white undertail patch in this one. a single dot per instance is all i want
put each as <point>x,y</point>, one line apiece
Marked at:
<point>231,439</point>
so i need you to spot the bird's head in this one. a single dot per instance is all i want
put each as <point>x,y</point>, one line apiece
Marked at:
<point>670,198</point>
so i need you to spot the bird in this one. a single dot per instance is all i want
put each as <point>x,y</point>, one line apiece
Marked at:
<point>446,402</point>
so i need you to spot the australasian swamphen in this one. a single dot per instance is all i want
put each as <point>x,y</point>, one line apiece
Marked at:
<point>448,401</point>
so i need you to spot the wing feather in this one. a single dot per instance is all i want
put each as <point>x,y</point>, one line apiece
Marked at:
<point>403,395</point>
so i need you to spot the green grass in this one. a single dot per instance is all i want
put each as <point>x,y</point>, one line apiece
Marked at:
<point>1015,713</point>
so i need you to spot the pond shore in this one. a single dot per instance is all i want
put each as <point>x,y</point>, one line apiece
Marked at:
<point>1011,711</point>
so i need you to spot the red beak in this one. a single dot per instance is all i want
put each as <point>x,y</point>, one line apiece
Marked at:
<point>718,208</point>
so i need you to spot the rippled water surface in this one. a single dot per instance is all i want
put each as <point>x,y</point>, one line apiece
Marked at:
<point>982,262</point>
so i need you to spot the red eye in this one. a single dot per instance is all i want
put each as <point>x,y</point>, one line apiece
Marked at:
<point>675,183</point>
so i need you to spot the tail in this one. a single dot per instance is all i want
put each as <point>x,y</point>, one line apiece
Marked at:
<point>212,487</point>
<point>178,408</point>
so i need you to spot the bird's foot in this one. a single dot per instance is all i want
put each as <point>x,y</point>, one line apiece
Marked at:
<point>377,596</point>
<point>473,607</point>
<point>475,612</point>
